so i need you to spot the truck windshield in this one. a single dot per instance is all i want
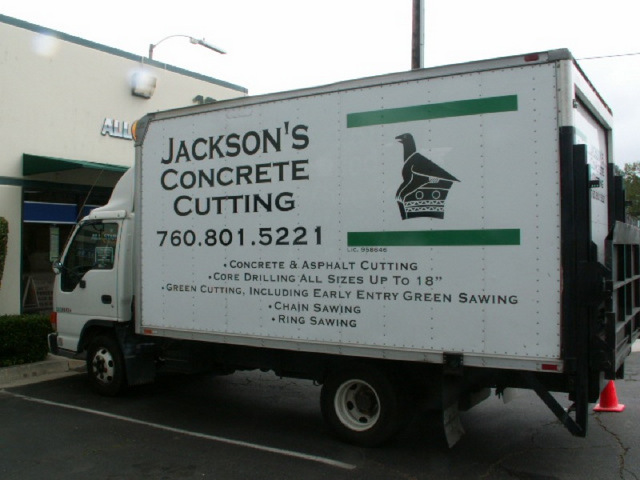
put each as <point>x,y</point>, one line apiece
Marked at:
<point>92,248</point>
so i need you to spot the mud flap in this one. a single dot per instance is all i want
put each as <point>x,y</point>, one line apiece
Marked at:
<point>453,430</point>
<point>139,357</point>
<point>141,366</point>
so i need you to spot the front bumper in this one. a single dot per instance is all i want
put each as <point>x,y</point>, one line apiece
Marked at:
<point>54,349</point>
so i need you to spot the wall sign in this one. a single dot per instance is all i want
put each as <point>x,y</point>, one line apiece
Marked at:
<point>117,129</point>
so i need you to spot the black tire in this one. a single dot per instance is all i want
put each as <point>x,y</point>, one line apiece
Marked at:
<point>363,405</point>
<point>105,366</point>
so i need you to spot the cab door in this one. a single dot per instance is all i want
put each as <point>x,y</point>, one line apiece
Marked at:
<point>86,287</point>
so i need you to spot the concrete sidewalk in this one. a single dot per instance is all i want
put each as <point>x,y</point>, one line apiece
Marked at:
<point>51,368</point>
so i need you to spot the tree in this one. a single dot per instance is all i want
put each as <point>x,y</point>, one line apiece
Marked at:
<point>632,188</point>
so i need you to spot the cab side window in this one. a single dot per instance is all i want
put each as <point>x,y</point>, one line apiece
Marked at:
<point>92,248</point>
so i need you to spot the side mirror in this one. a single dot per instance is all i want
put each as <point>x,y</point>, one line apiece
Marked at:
<point>57,267</point>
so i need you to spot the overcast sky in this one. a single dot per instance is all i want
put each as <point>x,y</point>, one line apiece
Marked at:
<point>276,45</point>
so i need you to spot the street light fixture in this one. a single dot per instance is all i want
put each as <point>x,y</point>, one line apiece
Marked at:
<point>195,41</point>
<point>143,83</point>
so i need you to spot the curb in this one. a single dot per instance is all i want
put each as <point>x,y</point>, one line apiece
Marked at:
<point>53,366</point>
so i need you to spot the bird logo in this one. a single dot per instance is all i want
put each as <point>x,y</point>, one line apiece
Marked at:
<point>425,185</point>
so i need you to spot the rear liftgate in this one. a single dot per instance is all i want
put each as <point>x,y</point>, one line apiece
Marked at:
<point>601,304</point>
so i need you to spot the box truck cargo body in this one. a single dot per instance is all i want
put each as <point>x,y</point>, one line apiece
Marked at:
<point>409,238</point>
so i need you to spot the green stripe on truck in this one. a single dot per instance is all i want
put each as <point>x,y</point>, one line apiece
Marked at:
<point>459,108</point>
<point>435,238</point>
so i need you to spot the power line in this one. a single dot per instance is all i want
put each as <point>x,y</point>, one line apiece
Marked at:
<point>610,56</point>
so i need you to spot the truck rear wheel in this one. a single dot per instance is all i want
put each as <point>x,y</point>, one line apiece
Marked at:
<point>363,406</point>
<point>105,365</point>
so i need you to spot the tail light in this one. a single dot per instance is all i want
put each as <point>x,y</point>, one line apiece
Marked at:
<point>53,318</point>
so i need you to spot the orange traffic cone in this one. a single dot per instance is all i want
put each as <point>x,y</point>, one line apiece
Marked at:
<point>609,400</point>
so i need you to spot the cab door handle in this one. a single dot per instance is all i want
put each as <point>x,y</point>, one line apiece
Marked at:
<point>106,299</point>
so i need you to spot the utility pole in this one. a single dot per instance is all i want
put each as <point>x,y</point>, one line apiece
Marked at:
<point>417,43</point>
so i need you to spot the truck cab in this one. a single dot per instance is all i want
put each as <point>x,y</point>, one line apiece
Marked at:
<point>93,289</point>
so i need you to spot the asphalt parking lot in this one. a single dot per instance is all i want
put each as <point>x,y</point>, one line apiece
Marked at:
<point>254,425</point>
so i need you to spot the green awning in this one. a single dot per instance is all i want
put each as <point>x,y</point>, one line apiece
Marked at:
<point>34,164</point>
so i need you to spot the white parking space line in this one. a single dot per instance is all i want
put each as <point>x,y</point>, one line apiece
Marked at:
<point>215,438</point>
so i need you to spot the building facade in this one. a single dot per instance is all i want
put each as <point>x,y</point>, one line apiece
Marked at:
<point>65,129</point>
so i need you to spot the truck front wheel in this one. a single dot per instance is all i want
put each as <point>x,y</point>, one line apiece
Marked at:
<point>362,406</point>
<point>105,365</point>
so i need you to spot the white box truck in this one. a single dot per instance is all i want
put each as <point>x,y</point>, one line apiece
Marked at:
<point>404,240</point>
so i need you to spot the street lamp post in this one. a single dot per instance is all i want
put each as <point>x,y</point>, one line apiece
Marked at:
<point>195,41</point>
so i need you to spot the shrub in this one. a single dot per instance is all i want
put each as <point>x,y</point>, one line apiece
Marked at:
<point>23,339</point>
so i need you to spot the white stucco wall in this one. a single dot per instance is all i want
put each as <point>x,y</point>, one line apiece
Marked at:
<point>55,92</point>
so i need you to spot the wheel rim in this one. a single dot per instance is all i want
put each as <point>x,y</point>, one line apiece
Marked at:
<point>357,405</point>
<point>103,366</point>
